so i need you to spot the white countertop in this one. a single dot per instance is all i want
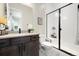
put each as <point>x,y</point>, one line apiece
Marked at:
<point>11,35</point>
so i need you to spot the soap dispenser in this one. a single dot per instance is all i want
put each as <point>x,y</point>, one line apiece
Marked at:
<point>19,30</point>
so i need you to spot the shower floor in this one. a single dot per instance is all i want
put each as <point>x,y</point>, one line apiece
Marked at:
<point>51,51</point>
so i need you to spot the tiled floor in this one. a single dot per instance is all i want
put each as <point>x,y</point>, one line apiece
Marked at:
<point>50,51</point>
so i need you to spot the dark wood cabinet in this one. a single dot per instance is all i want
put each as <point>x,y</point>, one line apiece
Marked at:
<point>20,46</point>
<point>4,43</point>
<point>32,48</point>
<point>9,51</point>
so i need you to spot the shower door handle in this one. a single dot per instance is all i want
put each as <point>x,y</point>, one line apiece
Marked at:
<point>60,29</point>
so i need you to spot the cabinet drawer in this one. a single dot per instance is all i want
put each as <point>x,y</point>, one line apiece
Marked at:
<point>34,37</point>
<point>4,43</point>
<point>20,40</point>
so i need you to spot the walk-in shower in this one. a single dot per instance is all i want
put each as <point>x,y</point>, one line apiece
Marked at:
<point>62,28</point>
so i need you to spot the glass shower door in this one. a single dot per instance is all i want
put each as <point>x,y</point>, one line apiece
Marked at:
<point>52,28</point>
<point>69,29</point>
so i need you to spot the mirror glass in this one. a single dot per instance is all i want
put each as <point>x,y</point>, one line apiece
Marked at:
<point>14,19</point>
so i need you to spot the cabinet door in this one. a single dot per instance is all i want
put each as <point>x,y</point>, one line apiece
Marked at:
<point>32,47</point>
<point>9,51</point>
<point>26,49</point>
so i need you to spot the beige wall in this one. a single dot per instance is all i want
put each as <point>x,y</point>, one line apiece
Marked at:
<point>2,9</point>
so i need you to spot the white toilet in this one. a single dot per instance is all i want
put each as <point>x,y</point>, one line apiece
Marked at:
<point>43,41</point>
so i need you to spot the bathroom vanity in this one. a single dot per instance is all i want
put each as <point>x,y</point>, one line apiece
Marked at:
<point>24,44</point>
